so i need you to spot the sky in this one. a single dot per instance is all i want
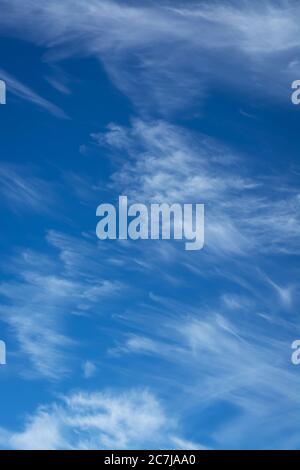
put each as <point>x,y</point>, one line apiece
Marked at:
<point>140,344</point>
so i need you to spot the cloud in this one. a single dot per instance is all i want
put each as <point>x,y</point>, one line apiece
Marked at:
<point>239,362</point>
<point>245,214</point>
<point>24,92</point>
<point>183,444</point>
<point>59,80</point>
<point>23,191</point>
<point>132,41</point>
<point>40,293</point>
<point>223,355</point>
<point>285,293</point>
<point>31,307</point>
<point>104,420</point>
<point>263,28</point>
<point>142,345</point>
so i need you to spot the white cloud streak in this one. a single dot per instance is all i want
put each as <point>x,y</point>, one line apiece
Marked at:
<point>23,191</point>
<point>24,92</point>
<point>233,359</point>
<point>104,420</point>
<point>165,57</point>
<point>167,163</point>
<point>42,294</point>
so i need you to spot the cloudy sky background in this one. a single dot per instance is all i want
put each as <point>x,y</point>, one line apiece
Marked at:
<point>142,344</point>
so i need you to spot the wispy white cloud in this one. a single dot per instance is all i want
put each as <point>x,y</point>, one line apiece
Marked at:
<point>187,445</point>
<point>41,292</point>
<point>59,80</point>
<point>133,42</point>
<point>143,345</point>
<point>24,92</point>
<point>31,307</point>
<point>165,57</point>
<point>285,293</point>
<point>166,163</point>
<point>235,359</point>
<point>129,420</point>
<point>23,191</point>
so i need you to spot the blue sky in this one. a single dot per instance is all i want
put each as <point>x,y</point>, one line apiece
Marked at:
<point>139,345</point>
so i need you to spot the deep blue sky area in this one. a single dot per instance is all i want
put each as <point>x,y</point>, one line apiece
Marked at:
<point>141,344</point>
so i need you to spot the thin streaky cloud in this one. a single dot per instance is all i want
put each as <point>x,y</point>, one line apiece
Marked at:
<point>132,42</point>
<point>24,92</point>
